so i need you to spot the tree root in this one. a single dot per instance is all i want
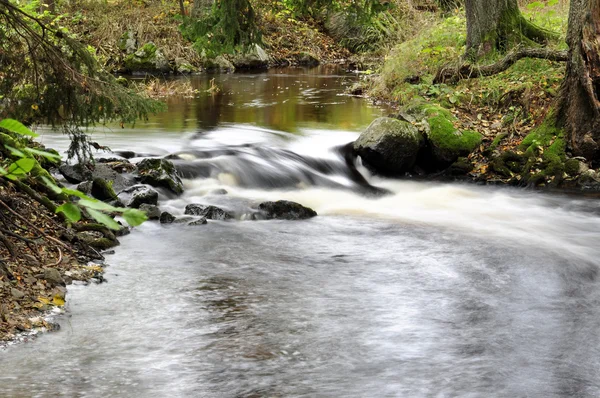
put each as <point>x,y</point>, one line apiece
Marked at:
<point>468,71</point>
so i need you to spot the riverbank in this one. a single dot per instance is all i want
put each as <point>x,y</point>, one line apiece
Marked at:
<point>508,110</point>
<point>41,256</point>
<point>146,38</point>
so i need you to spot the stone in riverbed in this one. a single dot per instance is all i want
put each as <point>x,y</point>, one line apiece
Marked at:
<point>285,210</point>
<point>201,221</point>
<point>166,218</point>
<point>103,190</point>
<point>152,211</point>
<point>210,212</point>
<point>138,195</point>
<point>16,293</point>
<point>160,173</point>
<point>80,173</point>
<point>389,146</point>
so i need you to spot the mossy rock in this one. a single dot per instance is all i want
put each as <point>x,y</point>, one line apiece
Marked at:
<point>389,146</point>
<point>148,58</point>
<point>546,142</point>
<point>447,143</point>
<point>103,190</point>
<point>160,173</point>
<point>461,167</point>
<point>128,42</point>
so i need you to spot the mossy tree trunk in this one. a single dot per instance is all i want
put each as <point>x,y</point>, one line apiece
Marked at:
<point>498,25</point>
<point>579,101</point>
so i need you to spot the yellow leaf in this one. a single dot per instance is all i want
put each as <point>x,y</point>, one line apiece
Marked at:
<point>58,301</point>
<point>34,107</point>
<point>44,300</point>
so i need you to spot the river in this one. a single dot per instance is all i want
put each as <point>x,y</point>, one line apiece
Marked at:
<point>442,290</point>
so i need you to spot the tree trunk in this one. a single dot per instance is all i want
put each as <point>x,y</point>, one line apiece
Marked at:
<point>498,25</point>
<point>579,102</point>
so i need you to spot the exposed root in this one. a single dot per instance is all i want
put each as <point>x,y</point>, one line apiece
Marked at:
<point>468,71</point>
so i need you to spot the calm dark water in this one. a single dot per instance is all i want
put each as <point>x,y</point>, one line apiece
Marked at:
<point>434,290</point>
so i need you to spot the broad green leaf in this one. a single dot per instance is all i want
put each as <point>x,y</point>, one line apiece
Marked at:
<point>71,211</point>
<point>97,205</point>
<point>16,127</point>
<point>103,219</point>
<point>134,217</point>
<point>15,151</point>
<point>74,192</point>
<point>45,154</point>
<point>52,185</point>
<point>21,166</point>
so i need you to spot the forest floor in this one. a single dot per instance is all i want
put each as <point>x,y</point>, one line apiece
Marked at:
<point>103,25</point>
<point>39,258</point>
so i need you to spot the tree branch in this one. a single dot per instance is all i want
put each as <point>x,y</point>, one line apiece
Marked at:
<point>468,71</point>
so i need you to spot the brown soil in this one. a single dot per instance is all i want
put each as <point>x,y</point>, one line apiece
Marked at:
<point>39,256</point>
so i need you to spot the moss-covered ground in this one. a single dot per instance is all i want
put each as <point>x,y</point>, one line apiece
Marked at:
<point>509,111</point>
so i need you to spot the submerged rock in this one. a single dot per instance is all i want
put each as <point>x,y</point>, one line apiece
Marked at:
<point>286,210</point>
<point>138,195</point>
<point>160,173</point>
<point>389,146</point>
<point>210,212</point>
<point>201,221</point>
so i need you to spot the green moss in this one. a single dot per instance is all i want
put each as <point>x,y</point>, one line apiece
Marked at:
<point>572,167</point>
<point>448,142</point>
<point>545,142</point>
<point>143,59</point>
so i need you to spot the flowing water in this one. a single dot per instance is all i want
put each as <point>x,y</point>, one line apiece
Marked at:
<point>433,290</point>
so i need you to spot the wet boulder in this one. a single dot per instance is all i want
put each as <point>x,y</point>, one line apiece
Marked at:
<point>160,173</point>
<point>210,212</point>
<point>79,173</point>
<point>152,211</point>
<point>389,146</point>
<point>200,221</point>
<point>138,195</point>
<point>103,190</point>
<point>166,218</point>
<point>285,210</point>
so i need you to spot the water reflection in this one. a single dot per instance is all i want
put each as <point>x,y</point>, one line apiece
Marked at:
<point>281,99</point>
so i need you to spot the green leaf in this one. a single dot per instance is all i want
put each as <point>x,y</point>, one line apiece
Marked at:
<point>103,219</point>
<point>74,192</point>
<point>97,205</point>
<point>55,188</point>
<point>21,166</point>
<point>134,217</point>
<point>15,151</point>
<point>71,211</point>
<point>3,171</point>
<point>16,127</point>
<point>45,154</point>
